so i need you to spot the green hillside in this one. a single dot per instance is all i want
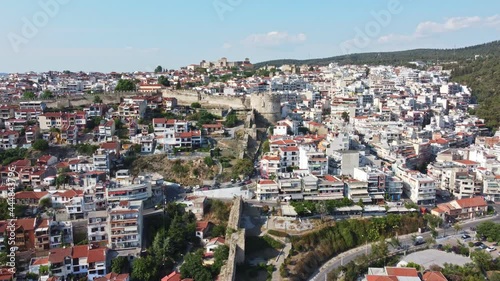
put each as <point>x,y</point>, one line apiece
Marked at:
<point>483,78</point>
<point>397,58</point>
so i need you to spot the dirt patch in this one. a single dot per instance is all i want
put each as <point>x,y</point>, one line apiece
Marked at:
<point>184,172</point>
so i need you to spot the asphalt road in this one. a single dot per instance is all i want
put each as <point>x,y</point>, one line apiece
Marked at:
<point>350,255</point>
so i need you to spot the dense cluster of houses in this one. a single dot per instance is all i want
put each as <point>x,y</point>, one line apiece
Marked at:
<point>378,134</point>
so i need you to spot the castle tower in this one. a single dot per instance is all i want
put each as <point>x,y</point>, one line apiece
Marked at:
<point>267,105</point>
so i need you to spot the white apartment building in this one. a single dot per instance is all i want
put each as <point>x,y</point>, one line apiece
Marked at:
<point>125,225</point>
<point>420,188</point>
<point>97,227</point>
<point>267,190</point>
<point>314,161</point>
<point>101,160</point>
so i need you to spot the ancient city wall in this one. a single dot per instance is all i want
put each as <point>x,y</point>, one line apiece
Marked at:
<point>236,241</point>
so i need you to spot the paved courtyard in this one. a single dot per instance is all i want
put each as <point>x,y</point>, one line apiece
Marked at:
<point>429,257</point>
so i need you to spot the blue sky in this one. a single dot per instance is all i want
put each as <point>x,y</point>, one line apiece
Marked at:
<point>122,35</point>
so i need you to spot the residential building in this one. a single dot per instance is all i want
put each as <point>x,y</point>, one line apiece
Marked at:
<point>125,225</point>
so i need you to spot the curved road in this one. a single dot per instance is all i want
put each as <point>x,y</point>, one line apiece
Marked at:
<point>346,257</point>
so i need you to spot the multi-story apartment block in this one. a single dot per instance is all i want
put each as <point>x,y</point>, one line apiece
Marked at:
<point>101,160</point>
<point>420,188</point>
<point>61,234</point>
<point>125,225</point>
<point>330,188</point>
<point>31,133</point>
<point>95,110</point>
<point>375,179</point>
<point>97,227</point>
<point>106,130</point>
<point>314,161</point>
<point>132,109</point>
<point>289,158</point>
<point>357,191</point>
<point>270,165</point>
<point>128,188</point>
<point>290,186</point>
<point>36,105</point>
<point>59,120</point>
<point>8,139</point>
<point>42,235</point>
<point>267,190</point>
<point>393,188</point>
<point>79,261</point>
<point>7,112</point>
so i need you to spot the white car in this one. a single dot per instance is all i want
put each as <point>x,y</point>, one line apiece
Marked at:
<point>491,249</point>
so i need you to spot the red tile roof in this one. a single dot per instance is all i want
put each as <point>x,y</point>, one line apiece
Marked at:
<point>80,251</point>
<point>472,202</point>
<point>264,181</point>
<point>402,271</point>
<point>202,225</point>
<point>174,276</point>
<point>30,194</point>
<point>467,162</point>
<point>381,278</point>
<point>26,223</point>
<point>97,255</point>
<point>433,276</point>
<point>57,255</point>
<point>41,261</point>
<point>113,277</point>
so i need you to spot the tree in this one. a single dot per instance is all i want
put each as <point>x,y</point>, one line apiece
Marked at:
<point>45,203</point>
<point>178,85</point>
<point>125,85</point>
<point>231,120</point>
<point>158,69</point>
<point>29,95</point>
<point>46,95</point>
<point>40,145</point>
<point>162,80</point>
<point>243,167</point>
<point>220,257</point>
<point>193,267</point>
<point>345,116</point>
<point>218,230</point>
<point>97,99</point>
<point>265,147</point>
<point>208,161</point>
<point>457,227</point>
<point>481,259</point>
<point>62,179</point>
<point>120,265</point>
<point>195,105</point>
<point>417,266</point>
<point>144,269</point>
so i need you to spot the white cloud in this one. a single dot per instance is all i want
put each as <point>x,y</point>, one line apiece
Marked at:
<point>274,38</point>
<point>227,46</point>
<point>429,28</point>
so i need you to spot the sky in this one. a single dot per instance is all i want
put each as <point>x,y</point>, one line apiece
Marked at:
<point>123,35</point>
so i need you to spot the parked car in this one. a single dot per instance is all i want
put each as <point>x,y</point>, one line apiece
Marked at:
<point>491,249</point>
<point>477,244</point>
<point>482,246</point>
<point>465,236</point>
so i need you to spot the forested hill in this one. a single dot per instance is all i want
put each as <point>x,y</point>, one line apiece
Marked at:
<point>483,77</point>
<point>397,58</point>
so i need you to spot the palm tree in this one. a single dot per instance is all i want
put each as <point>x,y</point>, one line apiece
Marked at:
<point>457,227</point>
